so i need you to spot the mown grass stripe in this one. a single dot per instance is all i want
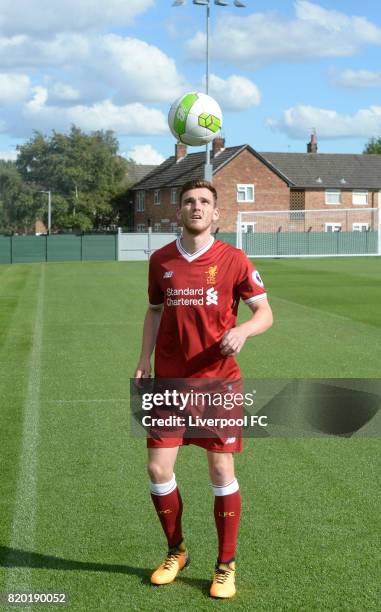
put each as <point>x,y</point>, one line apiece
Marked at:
<point>24,518</point>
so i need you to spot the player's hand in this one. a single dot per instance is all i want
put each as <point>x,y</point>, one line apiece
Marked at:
<point>232,342</point>
<point>143,370</point>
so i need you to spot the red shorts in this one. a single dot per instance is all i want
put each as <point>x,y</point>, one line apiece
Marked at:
<point>215,445</point>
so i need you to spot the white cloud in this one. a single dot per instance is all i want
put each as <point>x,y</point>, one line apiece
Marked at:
<point>8,155</point>
<point>13,87</point>
<point>37,101</point>
<point>145,154</point>
<point>42,17</point>
<point>105,82</point>
<point>140,71</point>
<point>357,79</point>
<point>262,38</point>
<point>298,121</point>
<point>234,93</point>
<point>128,119</point>
<point>64,91</point>
<point>24,51</point>
<point>133,69</point>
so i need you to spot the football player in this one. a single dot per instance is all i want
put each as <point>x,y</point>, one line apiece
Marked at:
<point>195,285</point>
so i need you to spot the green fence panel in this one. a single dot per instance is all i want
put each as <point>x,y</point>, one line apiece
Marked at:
<point>309,243</point>
<point>228,237</point>
<point>27,249</point>
<point>100,248</point>
<point>5,249</point>
<point>64,247</point>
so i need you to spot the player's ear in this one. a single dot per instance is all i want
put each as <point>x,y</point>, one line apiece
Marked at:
<point>178,212</point>
<point>216,214</point>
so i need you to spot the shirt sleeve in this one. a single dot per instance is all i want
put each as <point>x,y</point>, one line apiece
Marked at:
<point>155,292</point>
<point>250,286</point>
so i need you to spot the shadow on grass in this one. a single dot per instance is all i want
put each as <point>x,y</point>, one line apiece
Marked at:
<point>13,557</point>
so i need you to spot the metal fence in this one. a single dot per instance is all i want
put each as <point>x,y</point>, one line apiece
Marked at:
<point>310,233</point>
<point>139,246</point>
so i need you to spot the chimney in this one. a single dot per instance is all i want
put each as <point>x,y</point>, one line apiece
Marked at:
<point>180,150</point>
<point>312,145</point>
<point>218,145</point>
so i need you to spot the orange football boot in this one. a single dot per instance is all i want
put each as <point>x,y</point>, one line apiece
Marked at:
<point>176,560</point>
<point>223,585</point>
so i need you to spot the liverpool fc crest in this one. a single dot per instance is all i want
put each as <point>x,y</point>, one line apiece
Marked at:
<point>211,275</point>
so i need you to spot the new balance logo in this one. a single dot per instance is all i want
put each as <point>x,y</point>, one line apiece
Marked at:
<point>168,274</point>
<point>167,511</point>
<point>211,296</point>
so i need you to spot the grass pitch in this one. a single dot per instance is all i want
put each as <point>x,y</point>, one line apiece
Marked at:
<point>75,510</point>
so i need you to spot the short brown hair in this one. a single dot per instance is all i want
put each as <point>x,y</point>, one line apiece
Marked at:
<point>198,184</point>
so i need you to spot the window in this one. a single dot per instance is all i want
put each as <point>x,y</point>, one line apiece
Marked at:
<point>360,227</point>
<point>248,227</point>
<point>333,196</point>
<point>174,227</point>
<point>296,215</point>
<point>140,201</point>
<point>360,198</point>
<point>174,196</point>
<point>141,227</point>
<point>245,193</point>
<point>333,227</point>
<point>157,227</point>
<point>156,196</point>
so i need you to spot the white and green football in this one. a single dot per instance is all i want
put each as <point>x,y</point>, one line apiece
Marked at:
<point>195,119</point>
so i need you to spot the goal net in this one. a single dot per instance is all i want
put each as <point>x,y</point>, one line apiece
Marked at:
<point>309,233</point>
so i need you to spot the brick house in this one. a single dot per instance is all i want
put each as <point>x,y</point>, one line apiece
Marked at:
<point>247,180</point>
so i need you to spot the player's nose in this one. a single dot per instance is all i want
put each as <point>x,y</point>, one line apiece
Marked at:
<point>196,206</point>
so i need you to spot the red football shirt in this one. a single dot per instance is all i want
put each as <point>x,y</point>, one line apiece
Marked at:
<point>200,293</point>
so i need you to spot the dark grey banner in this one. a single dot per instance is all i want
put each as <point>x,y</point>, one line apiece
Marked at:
<point>223,409</point>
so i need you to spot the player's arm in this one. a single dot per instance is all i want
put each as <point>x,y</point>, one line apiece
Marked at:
<point>261,319</point>
<point>150,330</point>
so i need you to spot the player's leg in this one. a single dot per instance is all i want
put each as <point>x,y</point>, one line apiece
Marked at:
<point>165,493</point>
<point>168,504</point>
<point>227,509</point>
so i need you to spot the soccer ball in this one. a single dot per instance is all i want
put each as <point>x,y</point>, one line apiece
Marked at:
<point>195,119</point>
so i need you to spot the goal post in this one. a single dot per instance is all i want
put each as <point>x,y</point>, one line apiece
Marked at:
<point>309,233</point>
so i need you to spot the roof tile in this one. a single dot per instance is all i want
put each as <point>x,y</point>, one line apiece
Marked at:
<point>304,169</point>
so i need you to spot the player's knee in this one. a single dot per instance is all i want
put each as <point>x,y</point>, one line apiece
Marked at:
<point>222,472</point>
<point>159,473</point>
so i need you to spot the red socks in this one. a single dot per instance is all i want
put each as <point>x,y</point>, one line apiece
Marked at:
<point>169,507</point>
<point>227,510</point>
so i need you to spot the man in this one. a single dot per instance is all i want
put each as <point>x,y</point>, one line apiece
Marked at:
<point>198,338</point>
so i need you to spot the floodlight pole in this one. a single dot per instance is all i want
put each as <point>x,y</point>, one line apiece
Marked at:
<point>208,167</point>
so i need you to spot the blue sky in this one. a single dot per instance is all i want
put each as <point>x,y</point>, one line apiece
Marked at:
<point>279,68</point>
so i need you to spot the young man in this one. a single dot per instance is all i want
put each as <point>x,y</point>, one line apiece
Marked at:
<point>198,338</point>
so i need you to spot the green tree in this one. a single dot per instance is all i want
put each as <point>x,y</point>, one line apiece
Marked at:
<point>373,146</point>
<point>19,204</point>
<point>83,171</point>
